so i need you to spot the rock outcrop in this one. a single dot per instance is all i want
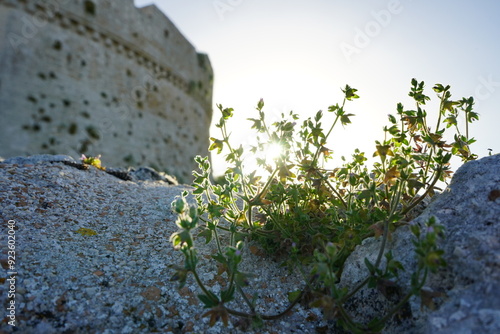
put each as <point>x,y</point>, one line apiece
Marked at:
<point>93,255</point>
<point>467,290</point>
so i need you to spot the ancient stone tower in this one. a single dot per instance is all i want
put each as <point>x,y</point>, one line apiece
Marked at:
<point>102,77</point>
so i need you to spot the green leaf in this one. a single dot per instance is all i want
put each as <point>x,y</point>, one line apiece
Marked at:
<point>318,116</point>
<point>242,278</point>
<point>180,275</point>
<point>375,325</point>
<point>198,191</point>
<point>370,266</point>
<point>219,258</point>
<point>450,120</point>
<point>438,88</point>
<point>350,93</point>
<point>344,119</point>
<point>292,296</point>
<point>472,116</point>
<point>227,113</point>
<point>227,295</point>
<point>260,104</point>
<point>209,302</point>
<point>217,144</point>
<point>179,205</point>
<point>207,234</point>
<point>333,108</point>
<point>449,105</point>
<point>181,238</point>
<point>257,124</point>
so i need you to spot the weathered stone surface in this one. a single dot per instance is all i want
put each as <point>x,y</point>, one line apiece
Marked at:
<point>102,77</point>
<point>93,256</point>
<point>33,159</point>
<point>469,209</point>
<point>127,174</point>
<point>116,280</point>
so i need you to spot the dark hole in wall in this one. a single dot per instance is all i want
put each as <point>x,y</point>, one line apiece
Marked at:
<point>84,147</point>
<point>89,7</point>
<point>129,159</point>
<point>73,128</point>
<point>57,45</point>
<point>93,132</point>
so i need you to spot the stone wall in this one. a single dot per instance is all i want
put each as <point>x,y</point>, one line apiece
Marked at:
<point>102,77</point>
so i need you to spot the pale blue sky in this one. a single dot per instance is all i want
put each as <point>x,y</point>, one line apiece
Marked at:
<point>297,54</point>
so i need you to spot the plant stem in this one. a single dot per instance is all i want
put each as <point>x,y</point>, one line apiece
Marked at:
<point>332,189</point>
<point>273,316</point>
<point>202,286</point>
<point>420,198</point>
<point>318,150</point>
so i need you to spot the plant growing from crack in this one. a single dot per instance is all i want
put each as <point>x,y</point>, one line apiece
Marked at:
<point>93,161</point>
<point>317,215</point>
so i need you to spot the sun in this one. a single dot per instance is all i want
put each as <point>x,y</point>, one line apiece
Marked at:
<point>273,151</point>
<point>270,153</point>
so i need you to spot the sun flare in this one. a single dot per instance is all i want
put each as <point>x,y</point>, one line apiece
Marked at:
<point>270,153</point>
<point>273,152</point>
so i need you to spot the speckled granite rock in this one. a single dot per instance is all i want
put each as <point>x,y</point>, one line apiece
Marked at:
<point>116,281</point>
<point>469,209</point>
<point>93,256</point>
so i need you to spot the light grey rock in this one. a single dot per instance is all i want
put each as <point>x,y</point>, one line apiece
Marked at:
<point>33,159</point>
<point>469,209</point>
<point>118,280</point>
<point>130,174</point>
<point>70,282</point>
<point>150,174</point>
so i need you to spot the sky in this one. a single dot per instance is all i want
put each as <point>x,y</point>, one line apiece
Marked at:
<point>297,54</point>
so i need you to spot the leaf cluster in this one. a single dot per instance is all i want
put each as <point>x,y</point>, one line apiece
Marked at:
<point>315,215</point>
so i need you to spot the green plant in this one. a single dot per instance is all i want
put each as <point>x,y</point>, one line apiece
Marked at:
<point>320,215</point>
<point>93,161</point>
